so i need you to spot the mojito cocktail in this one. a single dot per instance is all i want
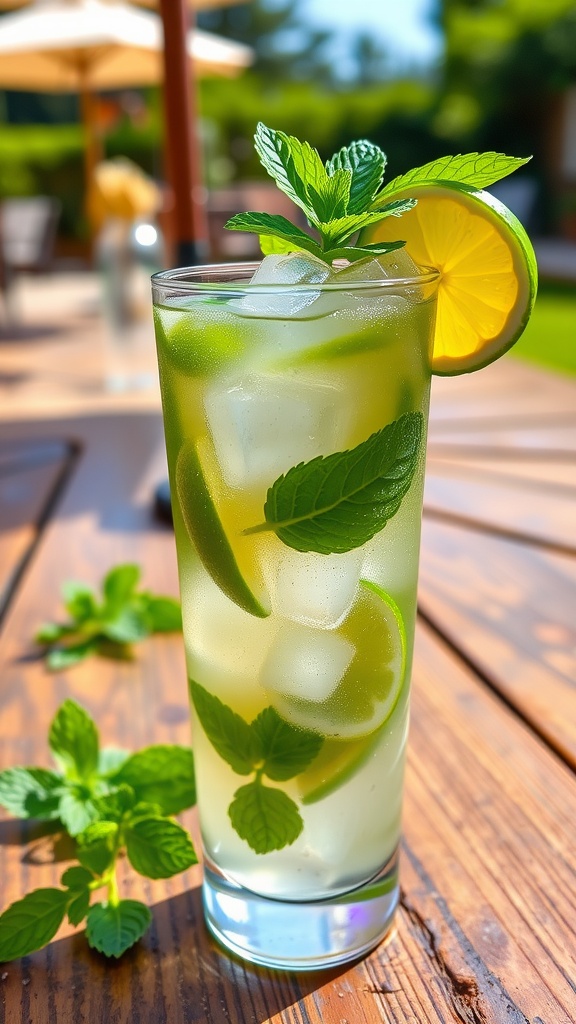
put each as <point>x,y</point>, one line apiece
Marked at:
<point>295,396</point>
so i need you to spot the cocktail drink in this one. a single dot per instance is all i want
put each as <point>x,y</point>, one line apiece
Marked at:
<point>295,396</point>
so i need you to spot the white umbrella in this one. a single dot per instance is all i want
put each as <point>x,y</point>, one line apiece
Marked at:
<point>90,45</point>
<point>72,45</point>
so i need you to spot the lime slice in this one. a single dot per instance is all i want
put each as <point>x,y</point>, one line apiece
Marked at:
<point>196,344</point>
<point>489,274</point>
<point>207,533</point>
<point>369,689</point>
<point>337,762</point>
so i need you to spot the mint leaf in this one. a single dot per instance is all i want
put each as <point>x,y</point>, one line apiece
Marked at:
<point>61,658</point>
<point>338,502</point>
<point>355,253</point>
<point>232,737</point>
<point>30,792</point>
<point>289,161</point>
<point>76,811</point>
<point>97,846</point>
<point>158,847</point>
<point>113,806</point>
<point>31,922</point>
<point>475,170</point>
<point>119,584</point>
<point>286,751</point>
<point>277,226</point>
<point>267,819</point>
<point>73,740</point>
<point>78,906</point>
<point>269,244</point>
<point>162,775</point>
<point>51,632</point>
<point>329,197</point>
<point>127,627</point>
<point>337,231</point>
<point>110,760</point>
<point>112,929</point>
<point>76,877</point>
<point>79,600</point>
<point>163,614</point>
<point>366,162</point>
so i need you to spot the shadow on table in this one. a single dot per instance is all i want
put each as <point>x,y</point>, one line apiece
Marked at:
<point>176,975</point>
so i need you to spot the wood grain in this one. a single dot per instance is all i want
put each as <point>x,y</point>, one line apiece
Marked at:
<point>485,930</point>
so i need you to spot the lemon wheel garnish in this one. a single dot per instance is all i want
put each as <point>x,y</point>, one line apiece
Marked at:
<point>488,267</point>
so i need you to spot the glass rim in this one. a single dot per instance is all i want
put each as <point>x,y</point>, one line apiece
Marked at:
<point>208,278</point>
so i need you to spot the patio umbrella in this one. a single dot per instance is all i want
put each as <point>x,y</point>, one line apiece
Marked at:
<point>88,45</point>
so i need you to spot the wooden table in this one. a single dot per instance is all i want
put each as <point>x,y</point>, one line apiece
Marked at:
<point>485,929</point>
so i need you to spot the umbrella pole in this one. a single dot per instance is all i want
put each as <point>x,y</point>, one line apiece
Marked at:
<point>181,143</point>
<point>93,150</point>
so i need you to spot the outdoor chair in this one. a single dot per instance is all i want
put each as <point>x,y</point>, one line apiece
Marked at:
<point>27,235</point>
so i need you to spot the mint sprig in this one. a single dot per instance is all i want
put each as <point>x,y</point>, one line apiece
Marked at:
<point>110,626</point>
<point>111,802</point>
<point>335,196</point>
<point>338,502</point>
<point>264,816</point>
<point>345,195</point>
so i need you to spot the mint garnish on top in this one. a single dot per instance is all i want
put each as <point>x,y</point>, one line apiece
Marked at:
<point>345,195</point>
<point>337,198</point>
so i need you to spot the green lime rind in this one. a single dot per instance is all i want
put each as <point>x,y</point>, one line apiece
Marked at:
<point>524,259</point>
<point>340,760</point>
<point>196,348</point>
<point>207,533</point>
<point>343,347</point>
<point>337,762</point>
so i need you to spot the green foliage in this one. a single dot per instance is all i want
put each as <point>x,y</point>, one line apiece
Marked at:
<point>339,198</point>
<point>110,802</point>
<point>265,817</point>
<point>112,928</point>
<point>314,506</point>
<point>108,627</point>
<point>549,337</point>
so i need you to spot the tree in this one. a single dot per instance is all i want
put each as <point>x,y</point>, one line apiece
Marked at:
<point>285,46</point>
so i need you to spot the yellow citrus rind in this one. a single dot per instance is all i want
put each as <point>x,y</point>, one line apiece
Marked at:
<point>488,271</point>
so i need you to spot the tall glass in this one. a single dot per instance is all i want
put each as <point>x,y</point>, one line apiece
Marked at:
<point>298,624</point>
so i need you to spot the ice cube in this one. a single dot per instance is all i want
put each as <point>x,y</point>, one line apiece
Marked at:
<point>305,662</point>
<point>261,426</point>
<point>392,264</point>
<point>295,268</point>
<point>316,590</point>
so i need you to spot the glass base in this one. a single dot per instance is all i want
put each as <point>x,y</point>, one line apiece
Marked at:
<point>300,936</point>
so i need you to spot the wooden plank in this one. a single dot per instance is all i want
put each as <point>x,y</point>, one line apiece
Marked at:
<point>543,515</point>
<point>485,931</point>
<point>508,387</point>
<point>510,609</point>
<point>30,477</point>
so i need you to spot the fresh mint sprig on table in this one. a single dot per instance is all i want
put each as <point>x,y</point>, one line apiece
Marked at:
<point>344,195</point>
<point>108,627</point>
<point>112,802</point>
<point>264,816</point>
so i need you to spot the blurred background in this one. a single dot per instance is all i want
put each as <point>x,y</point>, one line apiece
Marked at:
<point>84,170</point>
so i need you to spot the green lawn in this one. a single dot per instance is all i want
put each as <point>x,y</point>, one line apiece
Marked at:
<point>550,338</point>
